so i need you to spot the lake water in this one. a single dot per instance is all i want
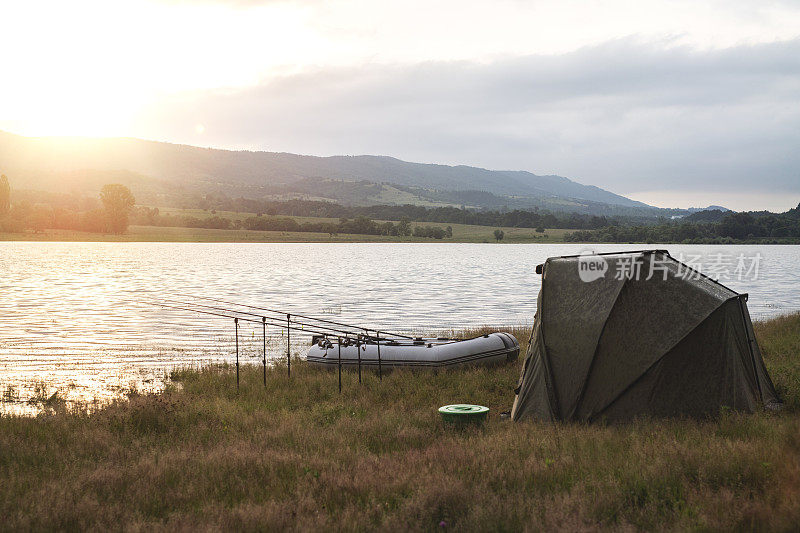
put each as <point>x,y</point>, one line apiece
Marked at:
<point>73,317</point>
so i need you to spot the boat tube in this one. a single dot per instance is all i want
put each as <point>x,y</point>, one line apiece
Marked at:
<point>419,352</point>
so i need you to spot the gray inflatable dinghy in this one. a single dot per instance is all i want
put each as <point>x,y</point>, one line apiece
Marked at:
<point>414,353</point>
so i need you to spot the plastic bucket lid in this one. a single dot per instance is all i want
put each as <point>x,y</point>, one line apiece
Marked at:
<point>461,412</point>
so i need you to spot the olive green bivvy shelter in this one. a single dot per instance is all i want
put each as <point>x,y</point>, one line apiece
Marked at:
<point>627,334</point>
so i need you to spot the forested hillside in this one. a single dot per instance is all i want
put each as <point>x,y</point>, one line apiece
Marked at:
<point>148,167</point>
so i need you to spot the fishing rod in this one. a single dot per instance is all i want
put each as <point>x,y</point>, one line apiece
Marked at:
<point>236,320</point>
<point>322,330</point>
<point>307,329</point>
<point>331,331</point>
<point>359,328</point>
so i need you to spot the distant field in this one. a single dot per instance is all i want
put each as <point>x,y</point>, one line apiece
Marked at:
<point>392,195</point>
<point>461,233</point>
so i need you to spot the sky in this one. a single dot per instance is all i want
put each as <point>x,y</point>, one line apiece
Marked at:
<point>674,103</point>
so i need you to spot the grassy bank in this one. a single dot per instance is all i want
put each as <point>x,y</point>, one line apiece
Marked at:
<point>299,455</point>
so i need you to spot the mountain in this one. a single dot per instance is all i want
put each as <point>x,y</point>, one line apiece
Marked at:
<point>709,208</point>
<point>81,164</point>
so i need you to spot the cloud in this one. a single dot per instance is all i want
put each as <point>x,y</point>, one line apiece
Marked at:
<point>626,115</point>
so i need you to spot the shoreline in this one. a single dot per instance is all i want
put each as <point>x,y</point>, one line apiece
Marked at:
<point>201,235</point>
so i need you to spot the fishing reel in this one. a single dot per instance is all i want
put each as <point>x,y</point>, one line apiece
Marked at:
<point>324,343</point>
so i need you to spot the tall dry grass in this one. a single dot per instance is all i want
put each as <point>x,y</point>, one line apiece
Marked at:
<point>297,455</point>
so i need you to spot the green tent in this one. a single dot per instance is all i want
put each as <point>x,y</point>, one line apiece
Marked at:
<point>627,334</point>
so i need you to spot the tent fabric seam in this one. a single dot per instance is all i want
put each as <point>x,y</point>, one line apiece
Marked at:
<point>596,346</point>
<point>709,278</point>
<point>750,351</point>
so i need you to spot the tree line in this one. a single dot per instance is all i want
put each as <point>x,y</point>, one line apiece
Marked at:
<point>360,225</point>
<point>517,218</point>
<point>744,227</point>
<point>118,211</point>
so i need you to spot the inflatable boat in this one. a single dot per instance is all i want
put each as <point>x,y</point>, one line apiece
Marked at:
<point>418,352</point>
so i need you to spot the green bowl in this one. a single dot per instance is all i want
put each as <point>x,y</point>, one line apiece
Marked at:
<point>461,413</point>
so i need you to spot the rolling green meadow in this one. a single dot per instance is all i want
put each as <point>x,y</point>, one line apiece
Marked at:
<point>298,455</point>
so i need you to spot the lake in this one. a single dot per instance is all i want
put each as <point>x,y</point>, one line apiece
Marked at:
<point>73,316</point>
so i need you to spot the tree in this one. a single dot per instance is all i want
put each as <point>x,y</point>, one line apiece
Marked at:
<point>5,195</point>
<point>118,201</point>
<point>404,226</point>
<point>449,232</point>
<point>540,229</point>
<point>499,234</point>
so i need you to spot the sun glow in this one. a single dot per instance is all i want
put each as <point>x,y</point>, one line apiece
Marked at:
<point>87,68</point>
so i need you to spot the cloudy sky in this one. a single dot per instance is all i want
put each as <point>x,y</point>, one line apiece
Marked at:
<point>675,103</point>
